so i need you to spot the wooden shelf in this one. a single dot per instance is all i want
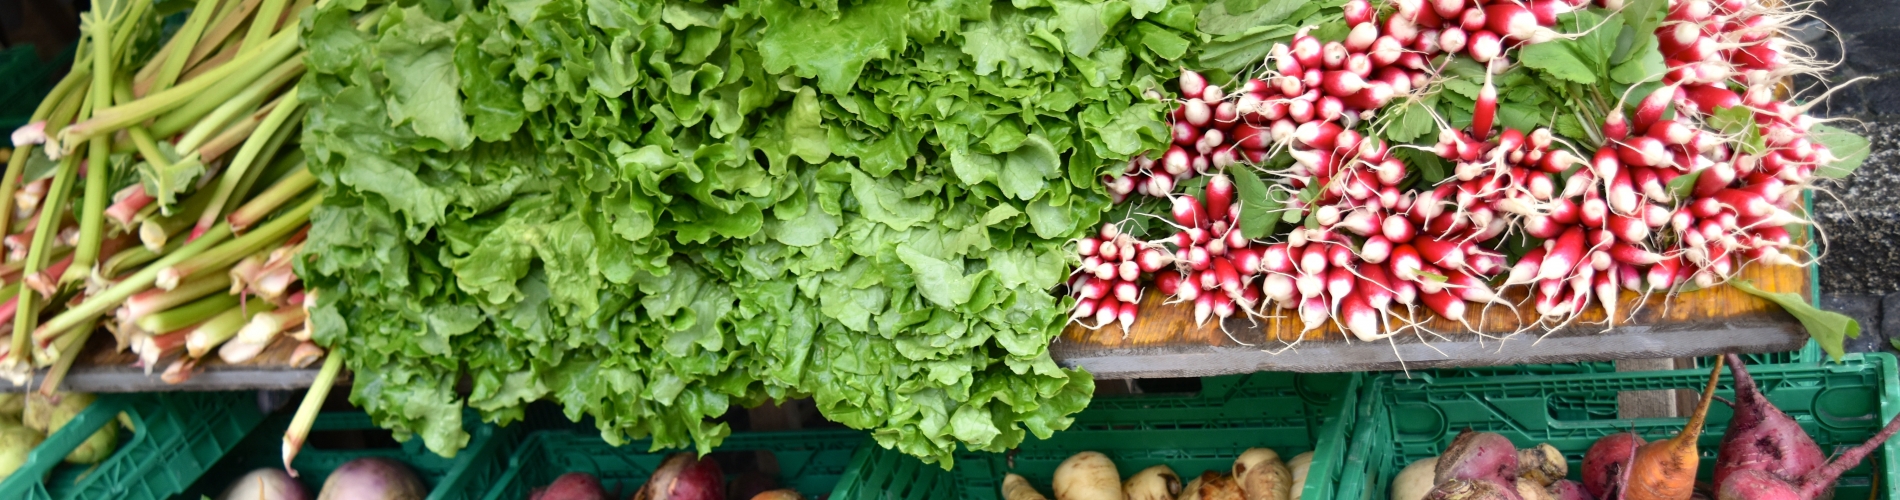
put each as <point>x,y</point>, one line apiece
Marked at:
<point>1165,342</point>
<point>104,368</point>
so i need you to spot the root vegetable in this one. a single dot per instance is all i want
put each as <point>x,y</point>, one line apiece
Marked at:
<point>1568,490</point>
<point>266,484</point>
<point>1153,483</point>
<point>1542,463</point>
<point>1017,488</point>
<point>1217,486</point>
<point>1763,484</point>
<point>1761,437</point>
<point>1191,491</point>
<point>1463,489</point>
<point>372,478</point>
<point>1413,482</point>
<point>683,476</point>
<point>1262,476</point>
<point>1528,489</point>
<point>1665,470</point>
<point>16,442</point>
<point>571,486</point>
<point>1088,476</point>
<point>1299,466</point>
<point>1478,456</point>
<point>783,494</point>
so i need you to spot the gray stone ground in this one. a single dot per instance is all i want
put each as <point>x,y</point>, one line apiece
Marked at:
<point>1860,274</point>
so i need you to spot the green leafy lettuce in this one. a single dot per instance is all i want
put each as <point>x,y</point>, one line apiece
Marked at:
<point>653,212</point>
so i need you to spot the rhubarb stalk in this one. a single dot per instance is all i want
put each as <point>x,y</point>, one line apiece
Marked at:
<point>312,403</point>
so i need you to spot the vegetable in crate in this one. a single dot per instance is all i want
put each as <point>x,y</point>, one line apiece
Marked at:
<point>372,478</point>
<point>684,476</point>
<point>1763,455</point>
<point>1017,488</point>
<point>265,484</point>
<point>781,494</point>
<point>571,486</point>
<point>48,414</point>
<point>1088,475</point>
<point>1154,483</point>
<point>16,442</point>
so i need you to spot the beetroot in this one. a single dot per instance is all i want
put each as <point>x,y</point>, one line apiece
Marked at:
<point>1761,437</point>
<point>1750,484</point>
<point>571,486</point>
<point>684,476</point>
<point>1755,484</point>
<point>1568,490</point>
<point>1606,465</point>
<point>1478,456</point>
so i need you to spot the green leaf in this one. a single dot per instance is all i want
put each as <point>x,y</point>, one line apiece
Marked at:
<point>833,49</point>
<point>1645,65</point>
<point>1440,278</point>
<point>1732,120</point>
<point>1642,16</point>
<point>941,282</point>
<point>1683,185</point>
<point>1218,18</point>
<point>1850,148</point>
<point>1236,52</point>
<point>1559,58</point>
<point>1332,31</point>
<point>1414,121</point>
<point>418,55</point>
<point>1598,41</point>
<point>1259,213</point>
<point>1829,329</point>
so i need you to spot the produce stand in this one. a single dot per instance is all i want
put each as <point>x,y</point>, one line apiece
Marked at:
<point>1166,343</point>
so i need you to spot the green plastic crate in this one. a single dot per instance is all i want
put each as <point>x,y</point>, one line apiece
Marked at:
<point>808,461</point>
<point>175,437</point>
<point>1290,413</point>
<point>447,478</point>
<point>1404,420</point>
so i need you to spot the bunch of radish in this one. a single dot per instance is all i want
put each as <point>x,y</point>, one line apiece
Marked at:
<point>1211,265</point>
<point>1106,285</point>
<point>1661,199</point>
<point>1481,29</point>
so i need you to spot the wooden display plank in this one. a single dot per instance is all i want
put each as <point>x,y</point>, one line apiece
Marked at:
<point>104,368</point>
<point>1165,342</point>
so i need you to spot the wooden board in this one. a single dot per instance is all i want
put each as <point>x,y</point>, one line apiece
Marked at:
<point>104,368</point>
<point>1165,342</point>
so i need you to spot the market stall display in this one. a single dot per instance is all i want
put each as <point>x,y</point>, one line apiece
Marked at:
<point>940,221</point>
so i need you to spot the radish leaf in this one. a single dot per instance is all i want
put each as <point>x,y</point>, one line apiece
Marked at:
<point>1829,329</point>
<point>1850,148</point>
<point>1259,212</point>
